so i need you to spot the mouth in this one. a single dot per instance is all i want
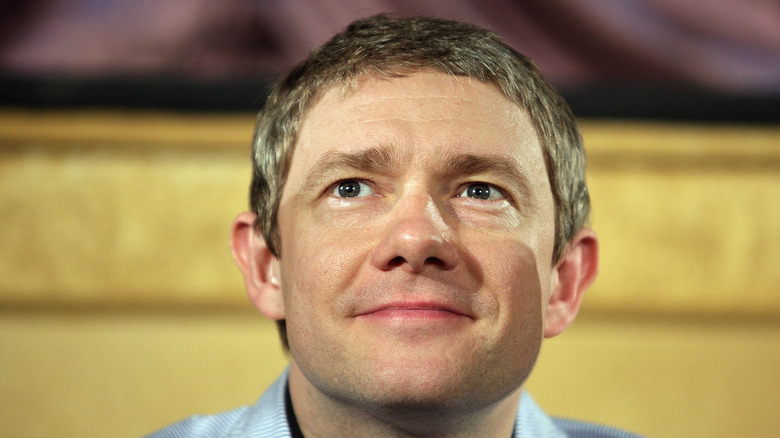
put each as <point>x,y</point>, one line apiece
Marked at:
<point>414,311</point>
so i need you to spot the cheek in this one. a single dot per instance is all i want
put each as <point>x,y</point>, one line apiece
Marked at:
<point>513,326</point>
<point>317,266</point>
<point>523,313</point>
<point>315,277</point>
<point>516,285</point>
<point>525,297</point>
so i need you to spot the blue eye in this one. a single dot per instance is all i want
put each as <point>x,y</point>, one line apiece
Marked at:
<point>352,188</point>
<point>481,191</point>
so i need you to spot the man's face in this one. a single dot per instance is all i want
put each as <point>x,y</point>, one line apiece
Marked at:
<point>417,232</point>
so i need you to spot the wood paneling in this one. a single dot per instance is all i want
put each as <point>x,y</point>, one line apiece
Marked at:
<point>125,374</point>
<point>109,226</point>
<point>110,129</point>
<point>665,377</point>
<point>679,238</point>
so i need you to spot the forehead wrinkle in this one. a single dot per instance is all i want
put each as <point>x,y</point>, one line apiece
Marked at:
<point>417,119</point>
<point>410,97</point>
<point>446,104</point>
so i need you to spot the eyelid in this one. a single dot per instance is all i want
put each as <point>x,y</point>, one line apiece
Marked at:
<point>333,188</point>
<point>504,195</point>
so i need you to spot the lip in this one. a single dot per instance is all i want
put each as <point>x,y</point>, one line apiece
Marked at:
<point>415,310</point>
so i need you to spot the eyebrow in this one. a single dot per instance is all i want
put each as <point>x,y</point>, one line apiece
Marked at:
<point>386,160</point>
<point>383,160</point>
<point>503,167</point>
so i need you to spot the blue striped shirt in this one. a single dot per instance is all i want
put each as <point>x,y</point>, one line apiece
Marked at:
<point>268,419</point>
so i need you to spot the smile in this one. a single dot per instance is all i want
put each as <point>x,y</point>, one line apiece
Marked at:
<point>410,311</point>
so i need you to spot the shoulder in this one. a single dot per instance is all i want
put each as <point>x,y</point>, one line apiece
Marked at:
<point>267,418</point>
<point>581,429</point>
<point>203,425</point>
<point>533,422</point>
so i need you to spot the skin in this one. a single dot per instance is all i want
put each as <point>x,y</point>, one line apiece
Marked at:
<point>416,308</point>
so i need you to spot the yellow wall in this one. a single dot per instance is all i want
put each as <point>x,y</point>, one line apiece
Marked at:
<point>121,311</point>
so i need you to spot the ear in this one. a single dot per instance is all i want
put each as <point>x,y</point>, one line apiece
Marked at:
<point>258,265</point>
<point>572,276</point>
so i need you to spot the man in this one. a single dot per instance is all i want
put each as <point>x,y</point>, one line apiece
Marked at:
<point>418,218</point>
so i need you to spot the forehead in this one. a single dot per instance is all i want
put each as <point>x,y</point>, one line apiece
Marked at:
<point>422,114</point>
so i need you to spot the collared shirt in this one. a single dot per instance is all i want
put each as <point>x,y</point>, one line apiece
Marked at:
<point>268,418</point>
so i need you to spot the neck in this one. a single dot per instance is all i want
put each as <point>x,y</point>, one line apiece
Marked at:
<point>321,415</point>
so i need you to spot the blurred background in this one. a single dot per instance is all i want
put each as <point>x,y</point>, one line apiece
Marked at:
<point>715,59</point>
<point>125,129</point>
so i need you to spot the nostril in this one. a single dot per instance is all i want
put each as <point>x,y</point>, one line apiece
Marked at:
<point>396,261</point>
<point>435,261</point>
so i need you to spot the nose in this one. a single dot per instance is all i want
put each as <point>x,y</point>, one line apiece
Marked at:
<point>417,238</point>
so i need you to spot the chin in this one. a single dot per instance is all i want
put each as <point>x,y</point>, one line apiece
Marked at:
<point>434,386</point>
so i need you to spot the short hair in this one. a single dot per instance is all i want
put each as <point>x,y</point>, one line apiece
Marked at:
<point>396,47</point>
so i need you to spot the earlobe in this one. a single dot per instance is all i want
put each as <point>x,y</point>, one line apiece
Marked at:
<point>572,276</point>
<point>258,265</point>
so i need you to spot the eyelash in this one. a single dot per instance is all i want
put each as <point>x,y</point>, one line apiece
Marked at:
<point>492,189</point>
<point>333,188</point>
